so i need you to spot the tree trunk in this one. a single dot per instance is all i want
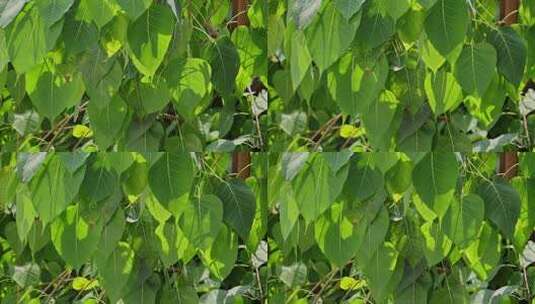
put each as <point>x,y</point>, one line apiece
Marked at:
<point>509,11</point>
<point>241,161</point>
<point>241,164</point>
<point>239,13</point>
<point>509,160</point>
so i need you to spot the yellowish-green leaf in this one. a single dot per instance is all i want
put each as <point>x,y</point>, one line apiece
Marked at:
<point>81,284</point>
<point>349,283</point>
<point>81,131</point>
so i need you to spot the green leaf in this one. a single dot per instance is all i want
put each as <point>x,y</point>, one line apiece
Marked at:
<point>336,235</point>
<point>395,8</point>
<point>38,237</point>
<point>102,77</point>
<point>363,181</point>
<point>52,10</point>
<point>330,36</point>
<point>337,160</point>
<point>348,8</point>
<point>475,68</point>
<point>167,236</point>
<point>81,131</point>
<point>289,211</point>
<point>294,275</point>
<point>100,12</point>
<point>99,183</point>
<point>526,220</point>
<point>25,215</point>
<point>108,121</point>
<point>511,52</point>
<point>153,97</point>
<point>300,59</point>
<point>483,255</point>
<point>463,219</point>
<point>316,187</point>
<point>225,62</point>
<point>73,160</point>
<point>82,284</point>
<point>502,205</point>
<point>430,56</point>
<point>220,258</point>
<point>293,123</point>
<point>189,83</point>
<point>27,275</point>
<point>239,205</point>
<point>355,87</point>
<point>372,230</point>
<point>411,25</point>
<point>367,82</point>
<point>10,235</point>
<point>398,178</point>
<point>252,50</point>
<point>116,271</point>
<point>447,24</point>
<point>416,293</point>
<point>443,91</point>
<point>54,188</point>
<point>53,92</point>
<point>111,234</point>
<point>349,131</point>
<point>302,12</point>
<point>434,179</point>
<point>488,108</point>
<point>528,255</point>
<point>158,212</point>
<point>451,294</point>
<point>380,270</point>
<point>75,237</point>
<point>144,135</point>
<point>4,57</point>
<point>78,36</point>
<point>171,176</point>
<point>148,38</point>
<point>379,119</point>
<point>375,29</point>
<point>29,39</point>
<point>9,10</point>
<point>202,220</point>
<point>340,80</point>
<point>436,244</point>
<point>349,283</point>
<point>134,8</point>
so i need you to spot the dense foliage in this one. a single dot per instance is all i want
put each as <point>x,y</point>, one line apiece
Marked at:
<point>434,227</point>
<point>400,75</point>
<point>131,228</point>
<point>131,75</point>
<point>92,212</point>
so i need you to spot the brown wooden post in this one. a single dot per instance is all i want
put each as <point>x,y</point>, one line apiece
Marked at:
<point>241,164</point>
<point>239,13</point>
<point>509,11</point>
<point>509,160</point>
<point>509,164</point>
<point>241,161</point>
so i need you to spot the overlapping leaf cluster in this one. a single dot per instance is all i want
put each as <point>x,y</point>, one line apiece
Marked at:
<point>434,227</point>
<point>130,75</point>
<point>130,228</point>
<point>400,75</point>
